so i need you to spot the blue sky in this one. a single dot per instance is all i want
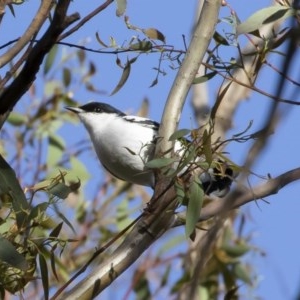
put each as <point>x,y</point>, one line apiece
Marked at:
<point>274,226</point>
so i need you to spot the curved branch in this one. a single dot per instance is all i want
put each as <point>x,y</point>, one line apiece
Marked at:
<point>86,19</point>
<point>201,38</point>
<point>238,197</point>
<point>32,29</point>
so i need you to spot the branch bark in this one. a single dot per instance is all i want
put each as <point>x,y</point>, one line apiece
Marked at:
<point>240,196</point>
<point>32,29</point>
<point>201,38</point>
<point>23,81</point>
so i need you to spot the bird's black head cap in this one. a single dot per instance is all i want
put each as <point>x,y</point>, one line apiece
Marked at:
<point>99,107</point>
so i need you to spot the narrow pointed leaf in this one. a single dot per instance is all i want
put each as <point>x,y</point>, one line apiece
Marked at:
<point>9,185</point>
<point>44,275</point>
<point>124,77</point>
<point>195,202</point>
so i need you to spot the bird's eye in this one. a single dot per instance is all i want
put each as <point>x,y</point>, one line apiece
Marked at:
<point>97,109</point>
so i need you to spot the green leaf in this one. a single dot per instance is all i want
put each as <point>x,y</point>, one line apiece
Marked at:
<point>242,273</point>
<point>44,275</point>
<point>66,77</point>
<point>17,119</point>
<point>59,190</point>
<point>207,149</point>
<point>195,201</point>
<point>124,77</point>
<point>180,192</point>
<point>205,77</point>
<point>236,250</point>
<point>179,134</point>
<point>50,59</point>
<point>9,185</point>
<point>264,16</point>
<point>11,256</point>
<point>38,210</point>
<point>158,163</point>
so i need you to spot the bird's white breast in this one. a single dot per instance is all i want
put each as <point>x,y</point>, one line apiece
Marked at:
<point>122,146</point>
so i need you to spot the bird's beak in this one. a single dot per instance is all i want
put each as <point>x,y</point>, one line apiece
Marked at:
<point>76,110</point>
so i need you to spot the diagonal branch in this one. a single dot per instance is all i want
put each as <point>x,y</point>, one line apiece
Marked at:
<point>32,29</point>
<point>203,33</point>
<point>238,197</point>
<point>23,81</point>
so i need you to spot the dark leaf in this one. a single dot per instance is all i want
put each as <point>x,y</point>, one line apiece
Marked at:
<point>124,77</point>
<point>11,256</point>
<point>9,185</point>
<point>44,275</point>
<point>56,231</point>
<point>220,39</point>
<point>204,78</point>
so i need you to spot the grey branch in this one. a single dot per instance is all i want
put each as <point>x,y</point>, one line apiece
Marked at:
<point>240,197</point>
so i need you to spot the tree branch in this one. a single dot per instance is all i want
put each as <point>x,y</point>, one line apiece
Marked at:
<point>86,19</point>
<point>23,81</point>
<point>32,29</point>
<point>201,38</point>
<point>239,197</point>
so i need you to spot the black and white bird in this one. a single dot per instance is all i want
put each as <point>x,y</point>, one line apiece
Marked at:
<point>124,144</point>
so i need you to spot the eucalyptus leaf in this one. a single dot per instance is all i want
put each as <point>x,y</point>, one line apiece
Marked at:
<point>158,163</point>
<point>11,256</point>
<point>17,119</point>
<point>9,185</point>
<point>195,201</point>
<point>50,59</point>
<point>264,16</point>
<point>124,77</point>
<point>179,134</point>
<point>44,275</point>
<point>59,190</point>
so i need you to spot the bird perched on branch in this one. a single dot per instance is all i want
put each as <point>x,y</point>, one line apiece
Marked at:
<point>125,144</point>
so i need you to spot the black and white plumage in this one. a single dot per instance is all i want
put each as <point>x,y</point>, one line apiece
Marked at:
<point>125,143</point>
